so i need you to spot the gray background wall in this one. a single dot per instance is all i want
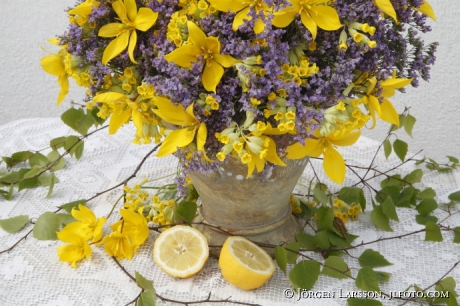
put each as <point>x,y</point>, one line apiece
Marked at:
<point>26,91</point>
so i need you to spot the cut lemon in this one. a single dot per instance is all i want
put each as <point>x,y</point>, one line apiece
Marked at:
<point>181,251</point>
<point>245,264</point>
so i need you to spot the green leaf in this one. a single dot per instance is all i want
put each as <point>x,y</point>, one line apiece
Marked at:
<point>281,257</point>
<point>325,219</point>
<point>143,282</point>
<point>382,277</point>
<point>380,219</point>
<point>336,267</point>
<point>432,232</point>
<point>426,206</point>
<point>321,239</point>
<point>78,120</point>
<point>405,197</point>
<point>453,159</point>
<point>319,193</point>
<point>28,183</point>
<point>306,241</point>
<point>38,159</point>
<point>409,124</point>
<point>373,259</point>
<point>292,252</point>
<point>447,287</point>
<point>456,234</point>
<point>352,195</point>
<point>305,274</point>
<point>363,302</point>
<point>187,210</point>
<point>393,181</point>
<point>33,172</point>
<point>426,194</point>
<point>7,194</point>
<point>13,177</point>
<point>400,148</point>
<point>68,206</point>
<point>15,224</point>
<point>96,118</point>
<point>388,191</point>
<point>58,142</point>
<point>147,298</point>
<point>54,156</point>
<point>49,223</point>
<point>337,241</point>
<point>70,143</point>
<point>48,180</point>
<point>46,226</point>
<point>422,219</point>
<point>388,208</point>
<point>17,158</point>
<point>78,150</point>
<point>455,196</point>
<point>387,148</point>
<point>414,177</point>
<point>367,280</point>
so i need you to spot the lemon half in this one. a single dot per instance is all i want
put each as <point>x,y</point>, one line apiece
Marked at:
<point>181,251</point>
<point>245,264</point>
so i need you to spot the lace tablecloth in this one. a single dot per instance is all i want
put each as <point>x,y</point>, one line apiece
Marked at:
<point>31,273</point>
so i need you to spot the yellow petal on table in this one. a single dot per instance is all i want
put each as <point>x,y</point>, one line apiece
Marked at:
<point>176,139</point>
<point>309,23</point>
<point>184,55</point>
<point>334,165</point>
<point>115,47</point>
<point>426,9</point>
<point>389,113</point>
<point>212,74</point>
<point>53,65</point>
<point>145,19</point>
<point>386,7</point>
<point>325,17</point>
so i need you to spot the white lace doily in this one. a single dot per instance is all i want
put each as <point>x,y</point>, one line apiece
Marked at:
<point>31,274</point>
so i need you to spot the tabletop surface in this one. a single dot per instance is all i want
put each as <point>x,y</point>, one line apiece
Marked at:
<point>31,273</point>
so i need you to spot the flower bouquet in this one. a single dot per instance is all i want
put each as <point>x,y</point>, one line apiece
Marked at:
<point>258,81</point>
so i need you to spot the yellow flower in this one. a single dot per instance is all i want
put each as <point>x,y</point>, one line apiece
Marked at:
<point>125,32</point>
<point>333,162</point>
<point>242,8</point>
<point>75,250</point>
<point>54,65</point>
<point>386,110</point>
<point>312,14</point>
<point>181,137</point>
<point>84,8</point>
<point>386,7</point>
<point>87,226</point>
<point>119,245</point>
<point>208,47</point>
<point>134,225</point>
<point>123,109</point>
